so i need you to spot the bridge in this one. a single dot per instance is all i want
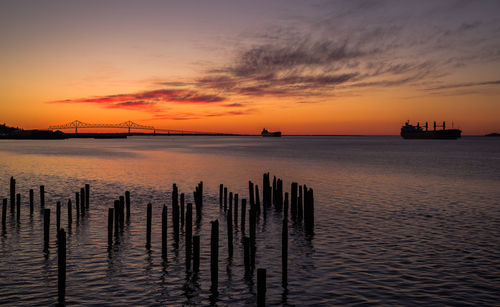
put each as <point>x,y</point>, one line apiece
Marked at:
<point>76,124</point>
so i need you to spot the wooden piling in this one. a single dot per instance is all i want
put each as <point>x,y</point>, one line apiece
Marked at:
<point>32,201</point>
<point>279,196</point>
<point>77,204</point>
<point>230,201</point>
<point>42,197</point>
<point>117,217</point>
<point>285,206</point>
<point>274,192</point>
<point>229,229</point>
<point>252,224</point>
<point>4,213</point>
<point>196,253</point>
<point>236,211</point>
<point>148,225</point>
<point>182,210</point>
<point>70,214</point>
<point>58,216</point>
<point>164,218</point>
<point>110,226</point>
<point>46,229</point>
<point>175,213</point>
<point>251,192</point>
<point>243,214</point>
<point>122,212</point>
<point>61,266</point>
<point>284,253</point>
<point>82,200</point>
<point>214,256</point>
<point>127,203</point>
<point>18,208</point>
<point>261,287</point>
<point>12,195</point>
<point>189,235</point>
<point>225,199</point>
<point>257,200</point>
<point>293,204</point>
<point>221,188</point>
<point>246,254</point>
<point>87,196</point>
<point>309,211</point>
<point>299,206</point>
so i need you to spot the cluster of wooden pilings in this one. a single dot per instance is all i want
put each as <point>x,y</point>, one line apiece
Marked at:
<point>301,211</point>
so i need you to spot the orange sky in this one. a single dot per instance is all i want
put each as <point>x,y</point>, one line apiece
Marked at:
<point>303,68</point>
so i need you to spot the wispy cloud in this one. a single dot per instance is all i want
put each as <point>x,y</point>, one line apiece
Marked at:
<point>463,85</point>
<point>148,100</point>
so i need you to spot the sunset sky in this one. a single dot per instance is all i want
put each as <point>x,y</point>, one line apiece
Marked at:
<point>302,67</point>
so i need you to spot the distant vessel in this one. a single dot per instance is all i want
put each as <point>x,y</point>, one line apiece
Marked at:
<point>268,133</point>
<point>416,132</point>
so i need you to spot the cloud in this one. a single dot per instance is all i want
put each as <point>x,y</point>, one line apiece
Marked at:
<point>356,45</point>
<point>463,85</point>
<point>151,101</point>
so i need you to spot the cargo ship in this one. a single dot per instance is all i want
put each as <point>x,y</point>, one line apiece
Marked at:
<point>268,133</point>
<point>409,131</point>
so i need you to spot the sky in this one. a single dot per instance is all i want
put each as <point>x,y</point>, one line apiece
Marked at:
<point>301,67</point>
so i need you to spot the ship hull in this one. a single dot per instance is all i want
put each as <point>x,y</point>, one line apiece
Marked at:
<point>272,134</point>
<point>449,134</point>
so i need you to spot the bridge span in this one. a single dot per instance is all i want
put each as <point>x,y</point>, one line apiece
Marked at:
<point>129,125</point>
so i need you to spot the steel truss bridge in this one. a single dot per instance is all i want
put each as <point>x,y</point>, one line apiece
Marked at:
<point>129,125</point>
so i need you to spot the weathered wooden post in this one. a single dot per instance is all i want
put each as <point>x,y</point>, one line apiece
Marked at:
<point>82,200</point>
<point>196,253</point>
<point>299,206</point>
<point>77,205</point>
<point>12,195</point>
<point>284,253</point>
<point>46,229</point>
<point>279,197</point>
<point>61,266</point>
<point>148,225</point>
<point>32,200</point>
<point>122,212</point>
<point>230,201</point>
<point>293,204</point>
<point>275,193</point>
<point>164,218</point>
<point>229,220</point>
<point>117,217</point>
<point>58,216</point>
<point>251,192</point>
<point>236,211</point>
<point>257,200</point>
<point>127,203</point>
<point>285,206</point>
<point>309,211</point>
<point>182,210</point>
<point>42,197</point>
<point>70,215</point>
<point>221,188</point>
<point>261,287</point>
<point>110,226</point>
<point>246,254</point>
<point>4,213</point>
<point>225,199</point>
<point>189,234</point>
<point>252,224</point>
<point>87,196</point>
<point>18,208</point>
<point>243,214</point>
<point>214,256</point>
<point>175,213</point>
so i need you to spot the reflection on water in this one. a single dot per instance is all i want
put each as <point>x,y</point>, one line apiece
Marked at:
<point>397,222</point>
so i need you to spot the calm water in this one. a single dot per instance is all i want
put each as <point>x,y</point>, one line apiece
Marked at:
<point>397,221</point>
